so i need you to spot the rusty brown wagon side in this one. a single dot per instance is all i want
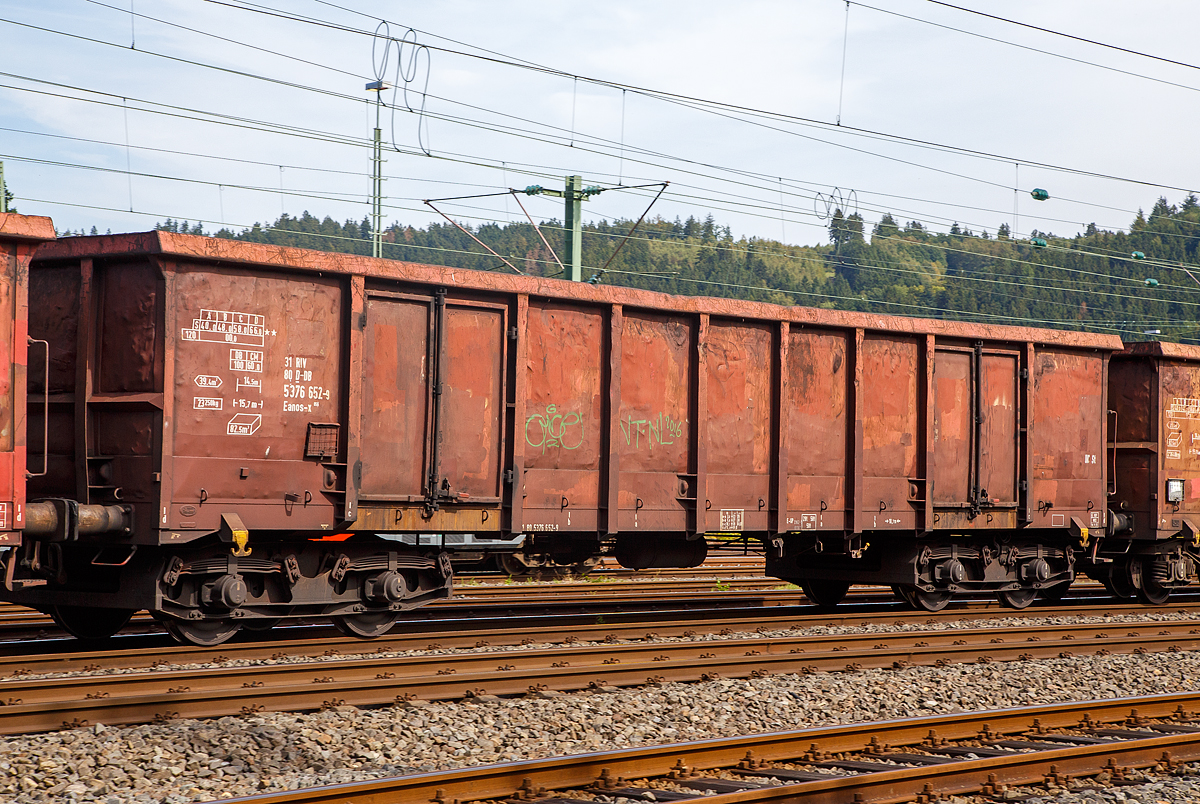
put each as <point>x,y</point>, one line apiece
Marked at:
<point>1154,410</point>
<point>297,432</point>
<point>972,458</point>
<point>20,235</point>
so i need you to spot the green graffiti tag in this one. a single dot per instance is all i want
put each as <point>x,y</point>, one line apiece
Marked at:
<point>553,429</point>
<point>662,429</point>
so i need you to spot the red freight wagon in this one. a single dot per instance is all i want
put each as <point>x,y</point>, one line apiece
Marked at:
<point>277,432</point>
<point>20,236</point>
<point>984,446</point>
<point>1154,401</point>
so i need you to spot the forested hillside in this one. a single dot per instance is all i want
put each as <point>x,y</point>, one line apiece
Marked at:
<point>1093,280</point>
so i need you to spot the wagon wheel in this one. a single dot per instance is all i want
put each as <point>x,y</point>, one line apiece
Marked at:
<point>825,593</point>
<point>366,626</point>
<point>205,633</point>
<point>85,622</point>
<point>1152,592</point>
<point>581,568</point>
<point>1056,592</point>
<point>260,625</point>
<point>552,572</point>
<point>512,566</point>
<point>925,600</point>
<point>1016,598</point>
<point>1118,582</point>
<point>901,592</point>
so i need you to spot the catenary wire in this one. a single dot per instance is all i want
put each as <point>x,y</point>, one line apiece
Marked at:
<point>306,87</point>
<point>664,95</point>
<point>358,100</point>
<point>1067,35</point>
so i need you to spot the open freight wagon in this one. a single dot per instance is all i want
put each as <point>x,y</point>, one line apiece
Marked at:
<point>1154,410</point>
<point>292,433</point>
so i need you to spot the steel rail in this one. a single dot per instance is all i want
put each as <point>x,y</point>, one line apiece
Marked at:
<point>604,584</point>
<point>135,651</point>
<point>772,591</point>
<point>469,591</point>
<point>604,771</point>
<point>20,623</point>
<point>46,704</point>
<point>625,591</point>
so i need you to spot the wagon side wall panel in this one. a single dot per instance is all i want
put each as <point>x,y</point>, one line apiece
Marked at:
<point>738,426</point>
<point>1067,446</point>
<point>257,360</point>
<point>1133,398</point>
<point>54,318</point>
<point>19,238</point>
<point>892,373</point>
<point>654,447</point>
<point>820,428</point>
<point>565,416</point>
<point>121,388</point>
<point>1178,444</point>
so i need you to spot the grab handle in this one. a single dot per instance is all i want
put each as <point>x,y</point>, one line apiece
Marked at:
<point>45,412</point>
<point>1112,451</point>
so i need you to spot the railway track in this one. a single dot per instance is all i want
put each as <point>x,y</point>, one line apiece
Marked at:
<point>19,623</point>
<point>919,759</point>
<point>46,704</point>
<point>483,627</point>
<point>616,598</point>
<point>472,590</point>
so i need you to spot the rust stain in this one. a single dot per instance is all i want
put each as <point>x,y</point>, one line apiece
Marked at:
<point>740,379</point>
<point>890,370</point>
<point>952,427</point>
<point>395,392</point>
<point>472,400</point>
<point>656,394</point>
<point>998,428</point>
<point>565,411</point>
<point>1067,408</point>
<point>818,387</point>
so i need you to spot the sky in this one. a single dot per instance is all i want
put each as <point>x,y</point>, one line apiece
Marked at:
<point>765,115</point>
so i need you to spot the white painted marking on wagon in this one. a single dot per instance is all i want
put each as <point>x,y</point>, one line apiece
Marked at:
<point>244,424</point>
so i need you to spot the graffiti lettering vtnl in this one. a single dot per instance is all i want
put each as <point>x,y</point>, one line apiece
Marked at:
<point>552,429</point>
<point>662,429</point>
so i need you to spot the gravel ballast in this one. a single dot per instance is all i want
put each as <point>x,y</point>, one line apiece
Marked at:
<point>187,760</point>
